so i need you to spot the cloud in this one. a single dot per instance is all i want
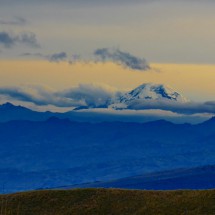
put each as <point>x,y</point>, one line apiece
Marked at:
<point>101,115</point>
<point>58,57</point>
<point>28,39</point>
<point>15,21</point>
<point>91,95</point>
<point>124,58</point>
<point>40,96</point>
<point>28,54</point>
<point>94,97</point>
<point>8,40</point>
<point>103,55</point>
<point>176,107</point>
<point>55,57</point>
<point>81,96</point>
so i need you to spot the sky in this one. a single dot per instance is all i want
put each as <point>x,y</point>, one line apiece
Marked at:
<point>48,47</point>
<point>161,31</point>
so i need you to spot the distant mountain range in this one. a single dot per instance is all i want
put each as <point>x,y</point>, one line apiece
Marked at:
<point>9,112</point>
<point>78,148</point>
<point>60,152</point>
<point>148,102</point>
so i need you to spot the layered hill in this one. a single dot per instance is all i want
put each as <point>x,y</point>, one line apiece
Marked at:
<point>55,152</point>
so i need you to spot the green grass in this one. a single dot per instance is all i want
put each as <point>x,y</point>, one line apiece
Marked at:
<point>108,201</point>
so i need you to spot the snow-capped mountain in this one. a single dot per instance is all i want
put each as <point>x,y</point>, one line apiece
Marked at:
<point>146,92</point>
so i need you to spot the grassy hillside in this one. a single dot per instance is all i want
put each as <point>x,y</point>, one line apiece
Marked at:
<point>101,201</point>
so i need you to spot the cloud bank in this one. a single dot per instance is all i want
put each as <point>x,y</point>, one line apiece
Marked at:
<point>40,96</point>
<point>8,40</point>
<point>176,107</point>
<point>90,96</point>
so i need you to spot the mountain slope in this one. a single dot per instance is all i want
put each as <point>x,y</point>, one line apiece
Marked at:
<point>194,178</point>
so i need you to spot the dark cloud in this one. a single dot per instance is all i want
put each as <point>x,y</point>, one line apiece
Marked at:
<point>100,55</point>
<point>76,58</point>
<point>9,40</point>
<point>58,57</point>
<point>28,54</point>
<point>28,39</point>
<point>55,57</point>
<point>124,58</point>
<point>15,21</point>
<point>6,39</point>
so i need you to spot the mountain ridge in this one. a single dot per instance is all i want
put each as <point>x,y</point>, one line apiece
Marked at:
<point>12,112</point>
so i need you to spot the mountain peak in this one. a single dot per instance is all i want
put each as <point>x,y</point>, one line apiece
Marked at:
<point>7,105</point>
<point>149,91</point>
<point>10,106</point>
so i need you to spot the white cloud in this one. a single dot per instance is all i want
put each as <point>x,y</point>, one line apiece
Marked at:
<point>91,96</point>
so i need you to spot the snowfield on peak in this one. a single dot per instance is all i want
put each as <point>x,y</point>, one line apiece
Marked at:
<point>148,91</point>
